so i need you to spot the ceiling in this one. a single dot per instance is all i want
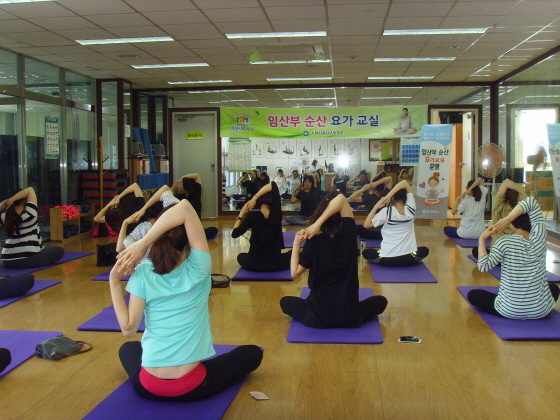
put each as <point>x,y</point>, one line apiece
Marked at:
<point>520,30</point>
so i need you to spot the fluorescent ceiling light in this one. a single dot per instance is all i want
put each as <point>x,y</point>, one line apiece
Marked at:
<point>309,99</point>
<point>304,88</point>
<point>390,97</point>
<point>435,31</point>
<point>165,66</point>
<point>543,96</point>
<point>292,62</point>
<point>21,1</point>
<point>124,40</point>
<point>216,91</point>
<point>417,59</point>
<point>275,35</point>
<point>200,81</point>
<point>399,77</point>
<point>288,79</point>
<point>238,100</point>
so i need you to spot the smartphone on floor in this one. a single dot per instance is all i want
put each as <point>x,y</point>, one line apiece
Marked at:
<point>409,339</point>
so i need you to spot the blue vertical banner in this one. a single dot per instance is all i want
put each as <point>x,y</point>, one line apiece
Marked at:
<point>434,169</point>
<point>554,147</point>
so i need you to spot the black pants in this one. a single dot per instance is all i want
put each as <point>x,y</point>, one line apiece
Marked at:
<point>5,359</point>
<point>16,285</point>
<point>300,310</point>
<point>221,371</point>
<point>210,232</point>
<point>286,196</point>
<point>282,263</point>
<point>475,252</point>
<point>407,260</point>
<point>485,300</point>
<point>368,234</point>
<point>451,231</point>
<point>47,256</point>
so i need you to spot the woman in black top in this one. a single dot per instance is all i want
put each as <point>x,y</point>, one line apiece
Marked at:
<point>252,184</point>
<point>330,256</point>
<point>267,242</point>
<point>192,184</point>
<point>127,203</point>
<point>340,180</point>
<point>309,196</point>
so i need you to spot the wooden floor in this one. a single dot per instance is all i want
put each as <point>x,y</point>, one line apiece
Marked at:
<point>461,370</point>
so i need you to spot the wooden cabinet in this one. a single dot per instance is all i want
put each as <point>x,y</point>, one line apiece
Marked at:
<point>57,224</point>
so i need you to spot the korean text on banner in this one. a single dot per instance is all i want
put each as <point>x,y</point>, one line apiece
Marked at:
<point>432,191</point>
<point>554,145</point>
<point>341,123</point>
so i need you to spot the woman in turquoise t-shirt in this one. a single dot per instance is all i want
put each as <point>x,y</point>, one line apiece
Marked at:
<point>171,291</point>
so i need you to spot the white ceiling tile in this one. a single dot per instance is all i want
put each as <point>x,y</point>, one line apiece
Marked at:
<point>85,34</point>
<point>5,40</point>
<point>207,43</point>
<point>424,9</point>
<point>220,4</point>
<point>42,39</point>
<point>121,48</point>
<point>108,65</point>
<point>64,23</point>
<point>215,52</point>
<point>18,25</point>
<point>517,21</point>
<point>242,14</point>
<point>161,6</point>
<point>68,49</point>
<point>240,27</point>
<point>478,8</point>
<point>92,56</point>
<point>412,23</point>
<point>354,40</point>
<point>136,31</point>
<point>358,11</point>
<point>88,7</point>
<point>355,27</point>
<point>301,12</point>
<point>194,31</point>
<point>32,11</point>
<point>298,25</point>
<point>467,21</point>
<point>5,15</point>
<point>119,20</point>
<point>537,7</point>
<point>397,48</point>
<point>174,18</point>
<point>225,59</point>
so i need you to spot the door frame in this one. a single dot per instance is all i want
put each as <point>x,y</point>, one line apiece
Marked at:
<point>169,145</point>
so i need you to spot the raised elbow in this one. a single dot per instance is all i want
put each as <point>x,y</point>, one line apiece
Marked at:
<point>128,333</point>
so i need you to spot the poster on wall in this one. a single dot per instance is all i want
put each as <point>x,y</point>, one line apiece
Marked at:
<point>554,147</point>
<point>304,148</point>
<point>257,148</point>
<point>288,148</point>
<point>434,169</point>
<point>353,148</point>
<point>239,154</point>
<point>320,149</point>
<point>337,147</point>
<point>271,148</point>
<point>52,148</point>
<point>410,150</point>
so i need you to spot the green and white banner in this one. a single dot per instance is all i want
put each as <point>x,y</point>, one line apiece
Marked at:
<point>374,122</point>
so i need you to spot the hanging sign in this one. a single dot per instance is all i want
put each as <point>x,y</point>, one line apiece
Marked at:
<point>52,144</point>
<point>554,145</point>
<point>434,169</point>
<point>194,135</point>
<point>342,123</point>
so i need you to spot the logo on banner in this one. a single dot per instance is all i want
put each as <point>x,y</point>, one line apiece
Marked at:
<point>242,124</point>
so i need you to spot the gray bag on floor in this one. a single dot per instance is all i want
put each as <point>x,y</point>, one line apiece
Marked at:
<point>60,347</point>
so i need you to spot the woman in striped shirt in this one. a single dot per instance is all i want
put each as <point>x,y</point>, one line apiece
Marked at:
<point>23,249</point>
<point>524,292</point>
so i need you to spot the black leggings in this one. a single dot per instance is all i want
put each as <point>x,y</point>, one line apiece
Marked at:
<point>210,232</point>
<point>485,300</point>
<point>47,256</point>
<point>221,371</point>
<point>5,359</point>
<point>407,260</point>
<point>16,285</point>
<point>282,263</point>
<point>300,310</point>
<point>368,234</point>
<point>451,231</point>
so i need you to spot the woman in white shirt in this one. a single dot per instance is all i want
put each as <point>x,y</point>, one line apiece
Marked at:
<point>280,181</point>
<point>398,247</point>
<point>471,205</point>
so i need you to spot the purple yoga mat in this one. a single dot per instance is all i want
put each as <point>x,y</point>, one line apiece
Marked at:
<point>105,276</point>
<point>289,238</point>
<point>497,272</point>
<point>413,274</point>
<point>469,243</point>
<point>68,256</point>
<point>106,320</point>
<point>37,287</point>
<point>124,403</point>
<point>517,329</point>
<point>22,344</point>
<point>372,243</point>
<point>369,333</point>
<point>217,234</point>
<point>245,275</point>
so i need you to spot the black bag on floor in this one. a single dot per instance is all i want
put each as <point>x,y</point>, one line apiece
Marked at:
<point>106,254</point>
<point>60,347</point>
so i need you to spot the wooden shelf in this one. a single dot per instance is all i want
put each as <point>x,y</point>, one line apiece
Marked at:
<point>57,225</point>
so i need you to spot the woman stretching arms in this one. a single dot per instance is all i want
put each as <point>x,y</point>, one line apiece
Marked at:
<point>330,256</point>
<point>172,292</point>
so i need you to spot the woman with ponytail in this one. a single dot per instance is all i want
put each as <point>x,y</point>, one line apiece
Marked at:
<point>471,205</point>
<point>330,256</point>
<point>172,291</point>
<point>23,249</point>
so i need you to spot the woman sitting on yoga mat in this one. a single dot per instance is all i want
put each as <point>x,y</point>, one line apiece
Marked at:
<point>16,285</point>
<point>172,293</point>
<point>192,184</point>
<point>398,247</point>
<point>23,249</point>
<point>330,256</point>
<point>309,196</point>
<point>471,205</point>
<point>127,203</point>
<point>507,197</point>
<point>267,242</point>
<point>524,292</point>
